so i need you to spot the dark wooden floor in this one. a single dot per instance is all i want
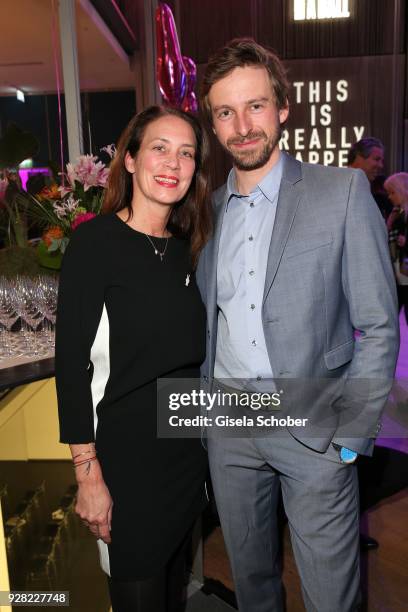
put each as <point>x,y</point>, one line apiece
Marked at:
<point>384,571</point>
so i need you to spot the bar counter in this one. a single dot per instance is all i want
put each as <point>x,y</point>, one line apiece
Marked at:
<point>25,373</point>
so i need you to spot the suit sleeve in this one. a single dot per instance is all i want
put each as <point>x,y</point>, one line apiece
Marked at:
<point>80,305</point>
<point>369,285</point>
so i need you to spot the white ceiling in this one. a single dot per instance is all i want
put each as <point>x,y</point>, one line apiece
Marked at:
<point>27,57</point>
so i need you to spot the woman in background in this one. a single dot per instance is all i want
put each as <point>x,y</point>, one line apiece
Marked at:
<point>397,189</point>
<point>129,313</point>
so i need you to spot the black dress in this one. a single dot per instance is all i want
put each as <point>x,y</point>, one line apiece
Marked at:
<point>125,319</point>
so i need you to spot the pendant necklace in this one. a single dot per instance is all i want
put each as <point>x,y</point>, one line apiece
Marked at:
<point>156,250</point>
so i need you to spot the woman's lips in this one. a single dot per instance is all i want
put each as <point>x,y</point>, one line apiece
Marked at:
<point>166,181</point>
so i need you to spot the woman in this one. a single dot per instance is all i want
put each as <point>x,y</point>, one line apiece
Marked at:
<point>129,313</point>
<point>397,189</point>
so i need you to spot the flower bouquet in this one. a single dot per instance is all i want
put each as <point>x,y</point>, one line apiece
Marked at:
<point>59,210</point>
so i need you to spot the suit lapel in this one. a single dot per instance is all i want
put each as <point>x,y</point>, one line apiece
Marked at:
<point>288,202</point>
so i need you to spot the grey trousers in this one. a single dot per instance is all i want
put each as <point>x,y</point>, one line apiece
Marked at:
<point>320,496</point>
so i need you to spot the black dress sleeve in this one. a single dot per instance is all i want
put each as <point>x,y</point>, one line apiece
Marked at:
<point>80,305</point>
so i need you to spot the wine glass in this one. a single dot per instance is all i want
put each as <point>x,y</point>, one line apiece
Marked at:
<point>19,301</point>
<point>8,316</point>
<point>30,313</point>
<point>47,303</point>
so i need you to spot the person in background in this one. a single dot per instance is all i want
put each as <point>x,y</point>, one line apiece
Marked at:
<point>129,312</point>
<point>396,186</point>
<point>367,154</point>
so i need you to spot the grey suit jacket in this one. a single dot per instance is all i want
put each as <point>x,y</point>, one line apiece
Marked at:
<point>329,274</point>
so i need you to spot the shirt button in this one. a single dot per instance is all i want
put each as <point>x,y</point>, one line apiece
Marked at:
<point>251,205</point>
<point>253,342</point>
<point>258,378</point>
<point>251,238</point>
<point>252,306</point>
<point>251,272</point>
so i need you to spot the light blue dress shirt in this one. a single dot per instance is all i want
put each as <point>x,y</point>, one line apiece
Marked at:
<point>242,261</point>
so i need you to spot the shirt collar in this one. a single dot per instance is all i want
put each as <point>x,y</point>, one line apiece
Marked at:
<point>268,186</point>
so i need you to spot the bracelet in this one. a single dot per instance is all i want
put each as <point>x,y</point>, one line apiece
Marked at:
<point>88,466</point>
<point>78,463</point>
<point>84,453</point>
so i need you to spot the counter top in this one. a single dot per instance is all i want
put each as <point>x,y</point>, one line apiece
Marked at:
<point>25,373</point>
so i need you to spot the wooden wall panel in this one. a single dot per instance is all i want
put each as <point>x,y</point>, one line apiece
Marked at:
<point>271,24</point>
<point>205,25</point>
<point>369,31</point>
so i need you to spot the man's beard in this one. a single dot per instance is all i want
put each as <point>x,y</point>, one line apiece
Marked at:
<point>252,160</point>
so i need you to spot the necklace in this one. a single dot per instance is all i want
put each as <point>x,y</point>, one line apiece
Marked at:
<point>156,250</point>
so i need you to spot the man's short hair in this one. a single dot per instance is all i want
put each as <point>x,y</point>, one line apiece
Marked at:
<point>363,148</point>
<point>238,53</point>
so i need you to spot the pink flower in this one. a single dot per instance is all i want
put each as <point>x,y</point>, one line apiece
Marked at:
<point>81,218</point>
<point>110,150</point>
<point>88,172</point>
<point>64,207</point>
<point>64,190</point>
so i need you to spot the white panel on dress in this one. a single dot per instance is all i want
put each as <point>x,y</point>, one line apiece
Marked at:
<point>101,364</point>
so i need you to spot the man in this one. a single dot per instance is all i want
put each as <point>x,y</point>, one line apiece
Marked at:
<point>286,284</point>
<point>367,154</point>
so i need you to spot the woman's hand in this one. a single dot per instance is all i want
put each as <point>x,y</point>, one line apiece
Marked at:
<point>94,503</point>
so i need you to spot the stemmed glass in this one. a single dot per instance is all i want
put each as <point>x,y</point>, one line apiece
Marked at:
<point>8,315</point>
<point>47,304</point>
<point>32,315</point>
<point>20,300</point>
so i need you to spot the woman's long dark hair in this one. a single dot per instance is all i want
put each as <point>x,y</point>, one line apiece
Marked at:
<point>191,217</point>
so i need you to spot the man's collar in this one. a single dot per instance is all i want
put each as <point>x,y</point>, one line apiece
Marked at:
<point>269,185</point>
